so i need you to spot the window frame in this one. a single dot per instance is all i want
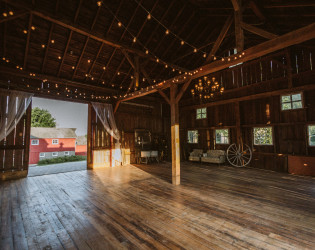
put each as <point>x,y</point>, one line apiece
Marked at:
<point>188,136</point>
<point>201,113</point>
<point>308,135</point>
<point>52,141</point>
<point>215,136</point>
<point>272,136</point>
<point>41,156</point>
<point>66,153</point>
<point>52,154</point>
<point>36,143</point>
<point>291,102</point>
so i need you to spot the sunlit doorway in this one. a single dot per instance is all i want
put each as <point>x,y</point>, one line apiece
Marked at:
<point>58,141</point>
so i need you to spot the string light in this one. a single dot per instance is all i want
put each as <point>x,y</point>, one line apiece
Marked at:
<point>43,46</point>
<point>99,3</point>
<point>11,13</point>
<point>52,41</point>
<point>167,32</point>
<point>134,39</point>
<point>119,24</point>
<point>4,14</point>
<point>89,61</point>
<point>104,68</point>
<point>149,16</point>
<point>182,42</point>
<point>33,27</point>
<point>147,51</point>
<point>25,31</point>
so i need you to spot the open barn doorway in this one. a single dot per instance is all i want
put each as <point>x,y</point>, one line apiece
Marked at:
<point>58,139</point>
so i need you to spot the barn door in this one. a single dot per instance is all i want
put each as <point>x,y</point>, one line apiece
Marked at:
<point>99,152</point>
<point>14,149</point>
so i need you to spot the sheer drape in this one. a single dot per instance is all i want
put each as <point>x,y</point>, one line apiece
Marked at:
<point>13,105</point>
<point>105,113</point>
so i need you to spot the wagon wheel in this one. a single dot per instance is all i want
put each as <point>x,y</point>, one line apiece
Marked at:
<point>239,156</point>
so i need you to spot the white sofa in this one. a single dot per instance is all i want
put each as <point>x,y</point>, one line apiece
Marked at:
<point>214,156</point>
<point>195,155</point>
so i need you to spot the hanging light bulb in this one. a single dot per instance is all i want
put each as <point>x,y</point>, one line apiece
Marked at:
<point>222,59</point>
<point>33,28</point>
<point>73,67</point>
<point>214,58</point>
<point>99,3</point>
<point>119,24</point>
<point>11,13</point>
<point>89,61</point>
<point>157,60</point>
<point>195,50</point>
<point>182,42</point>
<point>166,66</point>
<point>134,39</point>
<point>43,46</point>
<point>147,51</point>
<point>25,31</point>
<point>167,32</point>
<point>52,41</point>
<point>4,14</point>
<point>104,68</point>
<point>204,55</point>
<point>149,16</point>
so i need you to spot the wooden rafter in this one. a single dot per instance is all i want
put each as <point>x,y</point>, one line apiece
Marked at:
<point>107,32</point>
<point>65,52</point>
<point>15,16</point>
<point>258,31</point>
<point>47,47</point>
<point>295,37</point>
<point>121,37</point>
<point>171,27</point>
<point>96,57</point>
<point>80,58</point>
<point>220,38</point>
<point>28,40</point>
<point>236,5</point>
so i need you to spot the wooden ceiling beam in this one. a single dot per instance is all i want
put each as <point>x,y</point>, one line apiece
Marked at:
<point>220,38</point>
<point>292,38</point>
<point>26,74</point>
<point>28,40</point>
<point>236,5</point>
<point>258,31</point>
<point>164,96</point>
<point>15,16</point>
<point>182,90</point>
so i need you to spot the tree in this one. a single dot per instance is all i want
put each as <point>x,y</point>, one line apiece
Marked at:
<point>42,118</point>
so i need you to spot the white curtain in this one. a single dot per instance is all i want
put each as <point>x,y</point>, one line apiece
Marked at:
<point>13,105</point>
<point>105,113</point>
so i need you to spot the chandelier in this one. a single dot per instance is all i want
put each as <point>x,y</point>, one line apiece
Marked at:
<point>207,88</point>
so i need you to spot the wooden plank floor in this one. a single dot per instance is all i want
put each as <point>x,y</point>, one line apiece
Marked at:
<point>136,207</point>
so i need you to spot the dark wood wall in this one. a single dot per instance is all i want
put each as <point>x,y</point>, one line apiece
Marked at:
<point>289,127</point>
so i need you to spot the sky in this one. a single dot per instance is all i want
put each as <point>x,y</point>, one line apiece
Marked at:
<point>67,114</point>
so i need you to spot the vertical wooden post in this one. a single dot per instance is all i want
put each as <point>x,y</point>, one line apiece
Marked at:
<point>239,139</point>
<point>111,158</point>
<point>137,72</point>
<point>89,139</point>
<point>27,136</point>
<point>175,136</point>
<point>289,69</point>
<point>239,34</point>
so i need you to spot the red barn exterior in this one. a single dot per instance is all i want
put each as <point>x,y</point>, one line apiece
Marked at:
<point>81,145</point>
<point>48,143</point>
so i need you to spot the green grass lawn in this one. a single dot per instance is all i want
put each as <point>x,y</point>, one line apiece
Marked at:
<point>62,160</point>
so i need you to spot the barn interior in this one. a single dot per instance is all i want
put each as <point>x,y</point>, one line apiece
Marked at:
<point>201,123</point>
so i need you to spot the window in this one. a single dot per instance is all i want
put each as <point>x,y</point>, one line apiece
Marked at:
<point>55,154</point>
<point>67,153</point>
<point>293,101</point>
<point>222,136</point>
<point>311,135</point>
<point>55,141</point>
<point>41,155</point>
<point>201,113</point>
<point>192,136</point>
<point>35,142</point>
<point>263,136</point>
